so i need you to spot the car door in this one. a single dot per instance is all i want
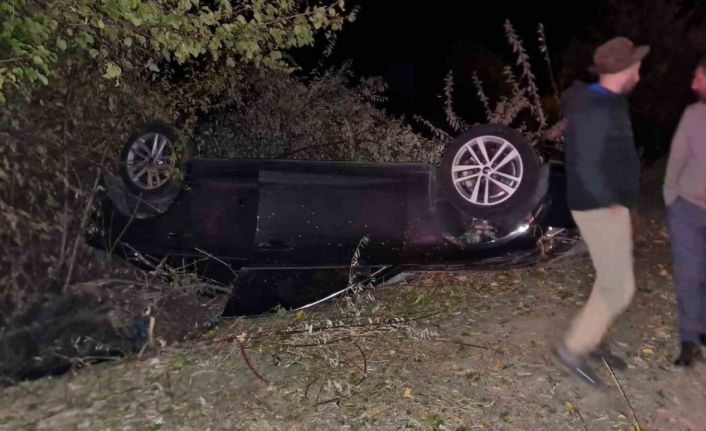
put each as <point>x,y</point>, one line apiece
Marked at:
<point>316,213</point>
<point>217,210</point>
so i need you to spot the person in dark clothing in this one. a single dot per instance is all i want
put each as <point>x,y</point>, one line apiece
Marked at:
<point>601,160</point>
<point>602,174</point>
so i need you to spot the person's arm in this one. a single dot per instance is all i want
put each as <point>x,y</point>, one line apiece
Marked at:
<point>678,157</point>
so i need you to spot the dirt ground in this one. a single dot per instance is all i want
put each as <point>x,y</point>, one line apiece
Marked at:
<point>445,351</point>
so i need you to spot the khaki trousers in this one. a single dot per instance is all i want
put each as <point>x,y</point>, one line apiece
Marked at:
<point>608,235</point>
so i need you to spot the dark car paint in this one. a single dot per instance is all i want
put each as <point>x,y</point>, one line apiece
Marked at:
<point>244,219</point>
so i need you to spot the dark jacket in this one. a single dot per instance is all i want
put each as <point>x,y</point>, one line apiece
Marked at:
<point>602,166</point>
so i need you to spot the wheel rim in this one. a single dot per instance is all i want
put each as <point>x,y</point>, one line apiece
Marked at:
<point>487,170</point>
<point>149,161</point>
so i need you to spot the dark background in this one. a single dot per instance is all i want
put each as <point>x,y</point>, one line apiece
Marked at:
<point>413,45</point>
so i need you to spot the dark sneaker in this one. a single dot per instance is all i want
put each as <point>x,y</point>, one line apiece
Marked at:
<point>577,365</point>
<point>615,361</point>
<point>702,337</point>
<point>689,355</point>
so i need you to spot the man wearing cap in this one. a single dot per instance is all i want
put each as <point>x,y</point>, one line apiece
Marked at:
<point>685,197</point>
<point>602,171</point>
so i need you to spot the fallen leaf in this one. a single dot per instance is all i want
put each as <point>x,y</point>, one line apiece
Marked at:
<point>500,365</point>
<point>179,363</point>
<point>648,352</point>
<point>570,407</point>
<point>407,393</point>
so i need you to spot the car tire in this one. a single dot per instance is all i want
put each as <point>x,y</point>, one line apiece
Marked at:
<point>152,162</point>
<point>493,159</point>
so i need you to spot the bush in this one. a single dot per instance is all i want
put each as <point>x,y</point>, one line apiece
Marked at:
<point>328,118</point>
<point>519,103</point>
<point>77,76</point>
<point>114,36</point>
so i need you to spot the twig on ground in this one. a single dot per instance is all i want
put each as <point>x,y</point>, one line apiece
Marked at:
<point>365,365</point>
<point>235,273</point>
<point>583,422</point>
<point>585,427</point>
<point>247,362</point>
<point>627,400</point>
<point>365,360</point>
<point>330,400</point>
<point>352,362</point>
<point>461,343</point>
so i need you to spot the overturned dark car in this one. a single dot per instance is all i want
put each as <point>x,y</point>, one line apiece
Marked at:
<point>291,233</point>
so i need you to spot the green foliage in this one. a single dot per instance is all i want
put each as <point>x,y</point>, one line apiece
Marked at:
<point>118,35</point>
<point>77,76</point>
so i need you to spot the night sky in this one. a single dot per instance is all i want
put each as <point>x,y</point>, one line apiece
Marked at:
<point>414,44</point>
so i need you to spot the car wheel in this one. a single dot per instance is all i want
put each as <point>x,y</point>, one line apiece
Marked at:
<point>152,160</point>
<point>490,172</point>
